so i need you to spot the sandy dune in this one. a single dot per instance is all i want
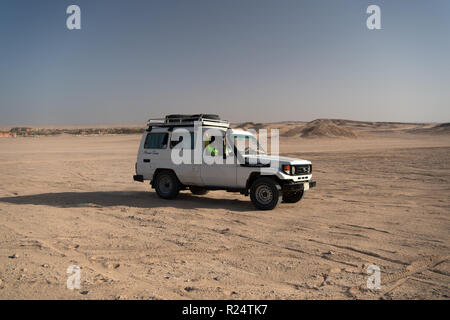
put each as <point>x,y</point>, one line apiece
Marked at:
<point>382,198</point>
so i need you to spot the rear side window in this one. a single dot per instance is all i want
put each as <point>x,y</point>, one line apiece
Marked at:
<point>184,144</point>
<point>156,141</point>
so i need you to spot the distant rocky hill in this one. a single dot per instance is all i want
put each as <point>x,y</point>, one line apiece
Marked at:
<point>326,128</point>
<point>319,128</point>
<point>442,128</point>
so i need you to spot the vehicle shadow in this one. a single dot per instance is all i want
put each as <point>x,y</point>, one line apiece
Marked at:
<point>136,199</point>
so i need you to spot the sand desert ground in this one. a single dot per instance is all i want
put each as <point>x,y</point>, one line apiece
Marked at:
<point>382,197</point>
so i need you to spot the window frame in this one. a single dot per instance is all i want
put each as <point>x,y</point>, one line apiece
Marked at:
<point>154,133</point>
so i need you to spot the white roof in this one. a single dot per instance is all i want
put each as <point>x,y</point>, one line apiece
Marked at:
<point>241,132</point>
<point>204,122</point>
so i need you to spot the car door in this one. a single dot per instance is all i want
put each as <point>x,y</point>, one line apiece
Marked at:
<point>220,174</point>
<point>187,172</point>
<point>154,154</point>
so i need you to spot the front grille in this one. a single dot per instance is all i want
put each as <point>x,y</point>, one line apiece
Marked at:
<point>302,169</point>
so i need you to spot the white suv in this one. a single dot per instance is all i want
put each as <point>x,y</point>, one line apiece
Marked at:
<point>239,162</point>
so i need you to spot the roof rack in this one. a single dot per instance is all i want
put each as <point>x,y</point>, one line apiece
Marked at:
<point>182,120</point>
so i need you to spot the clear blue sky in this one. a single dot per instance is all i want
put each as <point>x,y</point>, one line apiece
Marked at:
<point>254,60</point>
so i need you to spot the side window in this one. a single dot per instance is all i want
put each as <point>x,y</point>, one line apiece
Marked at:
<point>156,140</point>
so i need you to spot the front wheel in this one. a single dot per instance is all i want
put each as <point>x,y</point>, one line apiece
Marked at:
<point>265,194</point>
<point>293,197</point>
<point>167,185</point>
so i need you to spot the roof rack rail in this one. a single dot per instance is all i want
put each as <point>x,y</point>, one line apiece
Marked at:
<point>182,120</point>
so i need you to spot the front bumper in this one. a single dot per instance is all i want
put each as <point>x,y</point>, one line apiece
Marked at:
<point>299,186</point>
<point>138,177</point>
<point>294,179</point>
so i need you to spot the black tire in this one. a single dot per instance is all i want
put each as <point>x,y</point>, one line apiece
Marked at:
<point>293,196</point>
<point>198,191</point>
<point>265,194</point>
<point>167,185</point>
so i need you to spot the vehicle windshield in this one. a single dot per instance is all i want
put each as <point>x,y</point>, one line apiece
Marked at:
<point>246,144</point>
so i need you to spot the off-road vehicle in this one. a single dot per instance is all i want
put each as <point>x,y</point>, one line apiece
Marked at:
<point>245,167</point>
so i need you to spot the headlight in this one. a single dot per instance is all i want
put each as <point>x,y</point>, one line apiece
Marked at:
<point>286,169</point>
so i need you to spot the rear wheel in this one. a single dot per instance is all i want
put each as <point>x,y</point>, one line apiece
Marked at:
<point>265,194</point>
<point>198,191</point>
<point>167,185</point>
<point>293,196</point>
